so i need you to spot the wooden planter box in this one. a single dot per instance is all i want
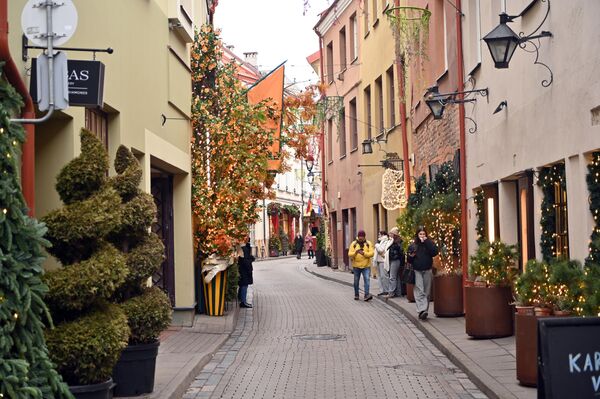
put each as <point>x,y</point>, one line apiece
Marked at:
<point>526,345</point>
<point>448,296</point>
<point>488,313</point>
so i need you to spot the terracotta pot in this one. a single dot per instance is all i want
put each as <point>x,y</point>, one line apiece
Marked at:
<point>563,313</point>
<point>525,310</point>
<point>448,294</point>
<point>542,311</point>
<point>479,284</point>
<point>468,283</point>
<point>526,348</point>
<point>410,293</point>
<point>488,312</point>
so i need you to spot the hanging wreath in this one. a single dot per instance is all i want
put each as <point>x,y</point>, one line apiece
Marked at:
<point>549,177</point>
<point>393,189</point>
<point>410,27</point>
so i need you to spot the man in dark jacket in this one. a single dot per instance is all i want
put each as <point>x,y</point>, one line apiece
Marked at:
<point>245,267</point>
<point>420,255</point>
<point>298,244</point>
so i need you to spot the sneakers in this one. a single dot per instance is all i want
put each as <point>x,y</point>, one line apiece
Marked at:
<point>423,314</point>
<point>391,295</point>
<point>356,298</point>
<point>382,294</point>
<point>245,305</point>
<point>368,297</point>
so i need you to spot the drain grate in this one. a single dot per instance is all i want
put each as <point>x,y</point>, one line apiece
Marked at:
<point>420,369</point>
<point>321,337</point>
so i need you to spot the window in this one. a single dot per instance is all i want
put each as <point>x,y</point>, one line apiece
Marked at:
<point>376,221</point>
<point>379,106</point>
<point>385,220</point>
<point>342,49</point>
<point>353,124</point>
<point>353,222</point>
<point>375,17</point>
<point>353,37</point>
<point>562,221</point>
<point>433,170</point>
<point>342,133</point>
<point>366,20</point>
<point>368,110</point>
<point>330,140</point>
<point>525,220</point>
<point>391,96</point>
<point>491,211</point>
<point>330,62</point>
<point>472,35</point>
<point>96,121</point>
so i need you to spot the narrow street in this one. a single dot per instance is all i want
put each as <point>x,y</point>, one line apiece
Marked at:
<point>308,338</point>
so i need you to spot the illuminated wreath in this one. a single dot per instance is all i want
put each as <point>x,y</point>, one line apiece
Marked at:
<point>393,189</point>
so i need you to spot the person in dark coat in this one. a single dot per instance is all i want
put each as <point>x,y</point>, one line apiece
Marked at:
<point>298,244</point>
<point>245,267</point>
<point>420,255</point>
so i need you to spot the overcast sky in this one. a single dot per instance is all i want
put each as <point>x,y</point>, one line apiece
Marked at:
<point>276,29</point>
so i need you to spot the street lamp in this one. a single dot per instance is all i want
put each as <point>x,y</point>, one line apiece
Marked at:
<point>310,177</point>
<point>367,147</point>
<point>437,101</point>
<point>502,41</point>
<point>310,163</point>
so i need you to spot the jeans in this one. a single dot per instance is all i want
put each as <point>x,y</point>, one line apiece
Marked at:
<point>242,293</point>
<point>311,253</point>
<point>384,278</point>
<point>394,278</point>
<point>366,273</point>
<point>422,288</point>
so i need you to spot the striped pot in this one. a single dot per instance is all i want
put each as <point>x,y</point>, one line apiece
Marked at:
<point>214,294</point>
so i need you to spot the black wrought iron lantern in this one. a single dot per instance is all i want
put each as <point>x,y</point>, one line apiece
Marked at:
<point>436,105</point>
<point>502,42</point>
<point>310,163</point>
<point>367,148</point>
<point>310,177</point>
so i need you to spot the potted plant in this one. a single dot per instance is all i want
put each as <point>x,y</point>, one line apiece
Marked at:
<point>320,255</point>
<point>274,246</point>
<point>80,295</point>
<point>285,243</point>
<point>148,309</point>
<point>488,310</point>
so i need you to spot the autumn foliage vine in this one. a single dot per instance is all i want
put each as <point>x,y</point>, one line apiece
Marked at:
<point>230,149</point>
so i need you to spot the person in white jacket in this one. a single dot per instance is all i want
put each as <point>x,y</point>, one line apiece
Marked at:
<point>381,247</point>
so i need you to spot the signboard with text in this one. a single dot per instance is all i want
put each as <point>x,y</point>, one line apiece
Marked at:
<point>85,82</point>
<point>569,357</point>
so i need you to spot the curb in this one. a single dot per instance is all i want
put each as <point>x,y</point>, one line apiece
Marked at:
<point>444,345</point>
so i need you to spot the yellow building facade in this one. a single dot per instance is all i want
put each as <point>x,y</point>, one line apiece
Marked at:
<point>147,79</point>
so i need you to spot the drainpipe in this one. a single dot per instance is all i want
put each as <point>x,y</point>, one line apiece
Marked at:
<point>462,142</point>
<point>402,106</point>
<point>322,136</point>
<point>14,78</point>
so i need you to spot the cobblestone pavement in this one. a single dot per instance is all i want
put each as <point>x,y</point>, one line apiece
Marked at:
<point>308,338</point>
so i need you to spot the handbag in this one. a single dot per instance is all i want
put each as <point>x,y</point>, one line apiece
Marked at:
<point>408,275</point>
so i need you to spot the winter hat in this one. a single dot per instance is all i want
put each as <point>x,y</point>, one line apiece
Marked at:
<point>394,231</point>
<point>361,233</point>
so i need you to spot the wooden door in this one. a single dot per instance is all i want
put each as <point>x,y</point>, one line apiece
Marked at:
<point>162,191</point>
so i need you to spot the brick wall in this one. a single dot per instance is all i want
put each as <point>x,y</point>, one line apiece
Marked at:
<point>435,141</point>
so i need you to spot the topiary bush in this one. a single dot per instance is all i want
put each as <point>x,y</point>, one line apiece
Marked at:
<point>90,333</point>
<point>495,263</point>
<point>148,309</point>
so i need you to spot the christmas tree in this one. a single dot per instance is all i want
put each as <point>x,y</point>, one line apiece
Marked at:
<point>25,368</point>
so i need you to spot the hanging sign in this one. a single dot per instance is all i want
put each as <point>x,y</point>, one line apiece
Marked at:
<point>85,83</point>
<point>569,357</point>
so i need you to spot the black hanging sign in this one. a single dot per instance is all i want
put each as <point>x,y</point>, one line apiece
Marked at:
<point>86,83</point>
<point>569,357</point>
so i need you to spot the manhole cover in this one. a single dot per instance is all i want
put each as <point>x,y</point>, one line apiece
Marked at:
<point>420,369</point>
<point>321,337</point>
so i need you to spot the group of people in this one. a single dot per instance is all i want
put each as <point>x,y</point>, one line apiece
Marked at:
<point>300,243</point>
<point>387,255</point>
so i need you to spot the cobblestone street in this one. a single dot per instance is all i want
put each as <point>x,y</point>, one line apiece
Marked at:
<point>308,338</point>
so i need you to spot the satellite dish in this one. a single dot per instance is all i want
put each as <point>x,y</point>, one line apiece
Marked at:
<point>64,22</point>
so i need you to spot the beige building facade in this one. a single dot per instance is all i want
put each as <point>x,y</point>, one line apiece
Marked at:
<point>146,77</point>
<point>538,126</point>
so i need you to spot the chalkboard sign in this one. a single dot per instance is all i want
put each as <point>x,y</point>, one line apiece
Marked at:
<point>569,357</point>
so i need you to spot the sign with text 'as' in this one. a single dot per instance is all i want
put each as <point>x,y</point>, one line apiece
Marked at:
<point>85,83</point>
<point>569,357</point>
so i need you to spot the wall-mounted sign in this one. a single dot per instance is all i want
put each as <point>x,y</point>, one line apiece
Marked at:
<point>569,357</point>
<point>85,79</point>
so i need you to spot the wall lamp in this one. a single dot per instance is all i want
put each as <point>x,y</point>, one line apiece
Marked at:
<point>503,104</point>
<point>392,161</point>
<point>503,41</point>
<point>310,177</point>
<point>437,101</point>
<point>367,147</point>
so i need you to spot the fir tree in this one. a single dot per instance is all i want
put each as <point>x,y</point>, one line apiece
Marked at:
<point>25,368</point>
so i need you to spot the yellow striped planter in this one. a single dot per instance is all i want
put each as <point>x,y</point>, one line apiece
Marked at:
<point>214,294</point>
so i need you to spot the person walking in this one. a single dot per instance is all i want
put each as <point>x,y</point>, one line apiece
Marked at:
<point>245,268</point>
<point>360,253</point>
<point>395,257</point>
<point>420,255</point>
<point>308,243</point>
<point>383,242</point>
<point>298,244</point>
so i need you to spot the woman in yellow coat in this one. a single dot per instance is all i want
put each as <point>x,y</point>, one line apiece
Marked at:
<point>360,253</point>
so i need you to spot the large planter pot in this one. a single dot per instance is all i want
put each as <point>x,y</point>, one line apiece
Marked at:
<point>103,390</point>
<point>488,313</point>
<point>134,372</point>
<point>410,292</point>
<point>214,294</point>
<point>273,253</point>
<point>321,258</point>
<point>526,346</point>
<point>448,295</point>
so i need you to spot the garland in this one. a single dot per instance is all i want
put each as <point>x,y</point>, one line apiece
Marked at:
<point>548,178</point>
<point>230,150</point>
<point>480,227</point>
<point>292,210</point>
<point>593,183</point>
<point>274,209</point>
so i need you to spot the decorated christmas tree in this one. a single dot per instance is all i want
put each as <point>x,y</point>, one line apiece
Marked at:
<point>25,368</point>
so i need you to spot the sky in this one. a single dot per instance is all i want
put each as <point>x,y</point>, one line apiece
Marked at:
<point>276,29</point>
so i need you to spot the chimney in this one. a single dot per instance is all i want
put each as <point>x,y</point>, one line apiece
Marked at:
<point>251,58</point>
